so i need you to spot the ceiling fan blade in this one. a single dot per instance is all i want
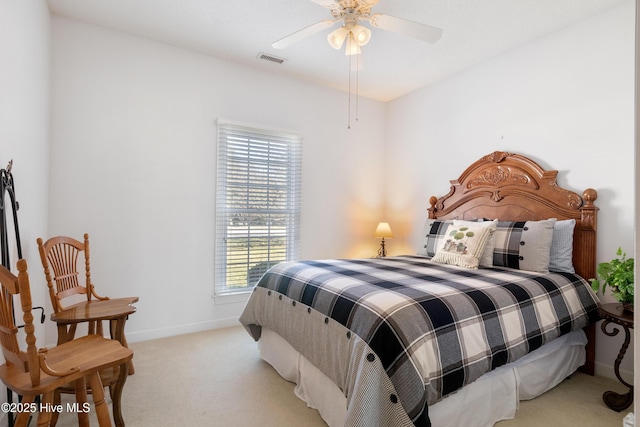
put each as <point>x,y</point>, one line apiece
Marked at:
<point>364,6</point>
<point>301,34</point>
<point>329,4</point>
<point>408,28</point>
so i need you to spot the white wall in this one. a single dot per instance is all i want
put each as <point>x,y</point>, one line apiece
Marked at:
<point>566,100</point>
<point>24,124</point>
<point>133,164</point>
<point>24,131</point>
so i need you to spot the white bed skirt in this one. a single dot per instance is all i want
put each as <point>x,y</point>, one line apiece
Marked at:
<point>492,398</point>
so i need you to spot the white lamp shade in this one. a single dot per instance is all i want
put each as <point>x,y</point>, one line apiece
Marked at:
<point>361,35</point>
<point>336,37</point>
<point>384,231</point>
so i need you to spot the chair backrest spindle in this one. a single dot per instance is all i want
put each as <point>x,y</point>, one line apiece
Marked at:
<point>11,286</point>
<point>59,256</point>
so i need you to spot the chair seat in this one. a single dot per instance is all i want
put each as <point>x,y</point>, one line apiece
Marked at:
<point>95,310</point>
<point>90,353</point>
<point>124,301</point>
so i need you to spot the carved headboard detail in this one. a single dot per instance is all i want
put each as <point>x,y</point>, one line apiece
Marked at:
<point>512,187</point>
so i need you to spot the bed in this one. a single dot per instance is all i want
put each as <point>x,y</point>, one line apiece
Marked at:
<point>494,308</point>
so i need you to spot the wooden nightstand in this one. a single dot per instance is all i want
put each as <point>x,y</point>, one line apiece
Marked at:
<point>614,313</point>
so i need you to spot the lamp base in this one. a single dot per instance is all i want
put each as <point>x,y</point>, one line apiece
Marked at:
<point>382,252</point>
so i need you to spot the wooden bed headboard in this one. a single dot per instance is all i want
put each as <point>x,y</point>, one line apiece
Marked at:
<point>512,187</point>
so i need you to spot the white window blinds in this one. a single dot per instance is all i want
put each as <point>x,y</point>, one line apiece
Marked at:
<point>258,194</point>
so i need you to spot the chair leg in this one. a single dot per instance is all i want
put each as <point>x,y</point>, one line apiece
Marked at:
<point>81,399</point>
<point>44,417</point>
<point>116,328</point>
<point>66,333</point>
<point>102,411</point>
<point>116,394</point>
<point>23,418</point>
<point>72,331</point>
<point>57,400</point>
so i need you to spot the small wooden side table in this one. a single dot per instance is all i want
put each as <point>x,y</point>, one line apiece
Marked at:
<point>116,312</point>
<point>614,313</point>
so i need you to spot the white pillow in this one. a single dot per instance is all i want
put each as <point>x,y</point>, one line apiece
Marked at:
<point>464,245</point>
<point>486,259</point>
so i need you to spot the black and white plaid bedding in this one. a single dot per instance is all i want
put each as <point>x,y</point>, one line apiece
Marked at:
<point>434,328</point>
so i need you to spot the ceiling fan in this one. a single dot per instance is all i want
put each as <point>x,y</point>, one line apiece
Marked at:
<point>351,13</point>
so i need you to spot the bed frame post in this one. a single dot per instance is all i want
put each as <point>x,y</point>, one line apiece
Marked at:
<point>587,267</point>
<point>432,209</point>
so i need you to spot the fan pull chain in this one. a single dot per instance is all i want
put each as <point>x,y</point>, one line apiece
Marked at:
<point>349,102</point>
<point>357,83</point>
<point>349,99</point>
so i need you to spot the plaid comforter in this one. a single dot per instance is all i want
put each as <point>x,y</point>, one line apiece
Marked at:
<point>433,328</point>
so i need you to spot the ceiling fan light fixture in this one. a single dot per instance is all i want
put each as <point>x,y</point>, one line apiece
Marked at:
<point>352,46</point>
<point>361,35</point>
<point>350,13</point>
<point>336,37</point>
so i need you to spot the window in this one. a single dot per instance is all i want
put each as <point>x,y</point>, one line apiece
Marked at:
<point>257,204</point>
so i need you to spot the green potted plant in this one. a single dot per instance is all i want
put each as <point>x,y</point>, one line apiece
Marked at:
<point>618,274</point>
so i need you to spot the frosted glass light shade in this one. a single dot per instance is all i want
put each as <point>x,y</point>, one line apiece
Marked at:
<point>336,37</point>
<point>361,35</point>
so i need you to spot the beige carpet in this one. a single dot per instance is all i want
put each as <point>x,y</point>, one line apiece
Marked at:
<point>215,378</point>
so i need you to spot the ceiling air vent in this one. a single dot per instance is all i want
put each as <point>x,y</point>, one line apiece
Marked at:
<point>270,58</point>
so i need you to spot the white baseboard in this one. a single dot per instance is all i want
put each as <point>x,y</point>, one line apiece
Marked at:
<point>152,334</point>
<point>605,370</point>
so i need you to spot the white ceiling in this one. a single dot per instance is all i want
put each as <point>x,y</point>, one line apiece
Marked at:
<point>238,30</point>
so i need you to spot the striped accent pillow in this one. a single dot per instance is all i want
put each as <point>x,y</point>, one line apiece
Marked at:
<point>561,255</point>
<point>523,245</point>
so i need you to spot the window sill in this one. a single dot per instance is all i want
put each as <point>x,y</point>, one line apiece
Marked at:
<point>233,298</point>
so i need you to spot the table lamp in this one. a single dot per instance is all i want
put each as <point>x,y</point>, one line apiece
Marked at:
<point>383,230</point>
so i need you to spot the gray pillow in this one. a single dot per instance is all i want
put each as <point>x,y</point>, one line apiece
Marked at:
<point>561,254</point>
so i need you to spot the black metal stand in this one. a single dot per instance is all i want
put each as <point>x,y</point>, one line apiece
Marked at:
<point>615,314</point>
<point>7,187</point>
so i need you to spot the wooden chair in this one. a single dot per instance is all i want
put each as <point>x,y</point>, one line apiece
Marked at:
<point>62,254</point>
<point>41,372</point>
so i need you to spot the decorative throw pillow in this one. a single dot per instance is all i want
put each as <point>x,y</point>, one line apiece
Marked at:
<point>523,245</point>
<point>561,254</point>
<point>486,259</point>
<point>434,235</point>
<point>464,245</point>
